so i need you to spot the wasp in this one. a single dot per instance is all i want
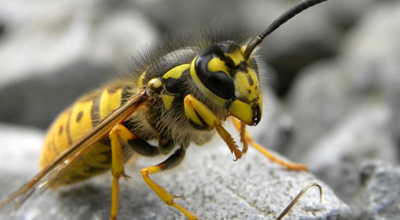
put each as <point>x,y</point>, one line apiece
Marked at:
<point>178,93</point>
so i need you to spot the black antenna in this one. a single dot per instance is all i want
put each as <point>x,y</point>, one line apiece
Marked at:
<point>278,22</point>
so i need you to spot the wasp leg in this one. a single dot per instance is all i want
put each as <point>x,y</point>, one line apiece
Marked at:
<point>245,137</point>
<point>117,168</point>
<point>200,116</point>
<point>174,160</point>
<point>120,132</point>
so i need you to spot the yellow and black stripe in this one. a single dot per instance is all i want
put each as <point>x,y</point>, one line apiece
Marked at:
<point>72,124</point>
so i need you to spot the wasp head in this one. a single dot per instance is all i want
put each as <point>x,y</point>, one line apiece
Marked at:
<point>231,79</point>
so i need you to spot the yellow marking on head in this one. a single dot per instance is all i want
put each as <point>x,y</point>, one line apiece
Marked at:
<point>202,88</point>
<point>167,100</point>
<point>216,64</point>
<point>246,85</point>
<point>109,101</point>
<point>237,56</point>
<point>260,101</point>
<point>140,81</point>
<point>242,111</point>
<point>242,81</point>
<point>176,72</point>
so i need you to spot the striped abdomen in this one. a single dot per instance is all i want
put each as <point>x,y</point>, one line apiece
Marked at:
<point>72,124</point>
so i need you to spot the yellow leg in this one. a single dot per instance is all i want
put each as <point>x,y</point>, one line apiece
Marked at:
<point>242,132</point>
<point>117,168</point>
<point>229,141</point>
<point>199,115</point>
<point>245,136</point>
<point>120,132</point>
<point>114,198</point>
<point>171,162</point>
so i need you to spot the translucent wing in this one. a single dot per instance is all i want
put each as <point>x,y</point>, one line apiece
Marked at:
<point>67,158</point>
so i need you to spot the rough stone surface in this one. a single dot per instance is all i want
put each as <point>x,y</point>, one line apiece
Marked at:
<point>364,136</point>
<point>345,110</point>
<point>51,53</point>
<point>370,58</point>
<point>213,186</point>
<point>378,193</point>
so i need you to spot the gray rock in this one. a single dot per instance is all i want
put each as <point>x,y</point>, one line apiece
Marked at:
<point>21,147</point>
<point>378,195</point>
<point>345,110</point>
<point>275,127</point>
<point>363,136</point>
<point>337,128</point>
<point>331,93</point>
<point>52,53</point>
<point>213,186</point>
<point>371,55</point>
<point>317,102</point>
<point>43,37</point>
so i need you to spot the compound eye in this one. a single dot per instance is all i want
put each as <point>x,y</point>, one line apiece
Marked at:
<point>217,82</point>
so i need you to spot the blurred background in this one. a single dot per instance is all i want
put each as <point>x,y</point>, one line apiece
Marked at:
<point>51,53</point>
<point>332,72</point>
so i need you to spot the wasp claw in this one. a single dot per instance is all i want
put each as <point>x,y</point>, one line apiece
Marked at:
<point>126,177</point>
<point>177,197</point>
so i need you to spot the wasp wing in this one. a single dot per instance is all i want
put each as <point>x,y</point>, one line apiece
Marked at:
<point>66,159</point>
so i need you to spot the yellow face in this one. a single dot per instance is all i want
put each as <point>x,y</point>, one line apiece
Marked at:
<point>231,80</point>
